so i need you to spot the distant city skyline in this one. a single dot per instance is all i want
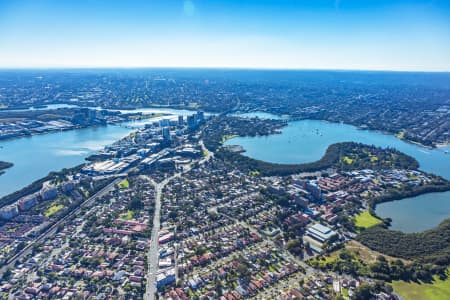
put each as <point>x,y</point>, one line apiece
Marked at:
<point>403,35</point>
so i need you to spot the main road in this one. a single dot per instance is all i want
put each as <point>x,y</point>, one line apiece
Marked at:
<point>153,254</point>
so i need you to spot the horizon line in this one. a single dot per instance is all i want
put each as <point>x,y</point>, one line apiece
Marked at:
<point>61,68</point>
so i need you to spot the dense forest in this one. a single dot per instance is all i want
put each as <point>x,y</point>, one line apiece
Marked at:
<point>429,246</point>
<point>343,156</point>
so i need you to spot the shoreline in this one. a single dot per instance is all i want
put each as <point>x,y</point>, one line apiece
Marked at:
<point>440,146</point>
<point>289,118</point>
<point>153,115</point>
<point>4,166</point>
<point>131,109</point>
<point>432,189</point>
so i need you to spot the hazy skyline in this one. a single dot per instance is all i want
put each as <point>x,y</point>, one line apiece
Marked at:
<point>409,35</point>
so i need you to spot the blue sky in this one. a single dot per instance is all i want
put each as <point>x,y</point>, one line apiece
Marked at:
<point>297,34</point>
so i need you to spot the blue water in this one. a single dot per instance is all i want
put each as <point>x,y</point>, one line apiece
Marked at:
<point>416,213</point>
<point>50,106</point>
<point>307,140</point>
<point>163,110</point>
<point>34,157</point>
<point>259,114</point>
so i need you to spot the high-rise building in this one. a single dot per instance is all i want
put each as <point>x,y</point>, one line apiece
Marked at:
<point>200,116</point>
<point>166,133</point>
<point>9,211</point>
<point>180,121</point>
<point>191,122</point>
<point>48,193</point>
<point>27,202</point>
<point>164,122</point>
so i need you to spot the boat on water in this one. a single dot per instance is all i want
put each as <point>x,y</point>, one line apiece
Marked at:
<point>423,151</point>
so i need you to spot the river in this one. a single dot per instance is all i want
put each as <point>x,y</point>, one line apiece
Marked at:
<point>307,140</point>
<point>35,156</point>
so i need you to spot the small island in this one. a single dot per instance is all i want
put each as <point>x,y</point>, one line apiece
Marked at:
<point>4,165</point>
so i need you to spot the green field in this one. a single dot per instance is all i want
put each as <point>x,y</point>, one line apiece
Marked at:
<point>128,215</point>
<point>322,261</point>
<point>53,210</point>
<point>228,137</point>
<point>124,184</point>
<point>438,290</point>
<point>366,220</point>
<point>400,135</point>
<point>253,173</point>
<point>347,160</point>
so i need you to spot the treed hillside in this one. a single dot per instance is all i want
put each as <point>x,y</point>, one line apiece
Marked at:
<point>430,246</point>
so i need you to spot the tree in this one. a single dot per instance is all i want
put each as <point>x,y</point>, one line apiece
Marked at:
<point>7,274</point>
<point>136,204</point>
<point>363,292</point>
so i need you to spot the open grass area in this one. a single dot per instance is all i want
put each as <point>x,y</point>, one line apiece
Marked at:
<point>438,290</point>
<point>366,254</point>
<point>124,184</point>
<point>53,210</point>
<point>366,220</point>
<point>227,137</point>
<point>128,215</point>
<point>253,173</point>
<point>347,160</point>
<point>400,135</point>
<point>344,293</point>
<point>323,260</point>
